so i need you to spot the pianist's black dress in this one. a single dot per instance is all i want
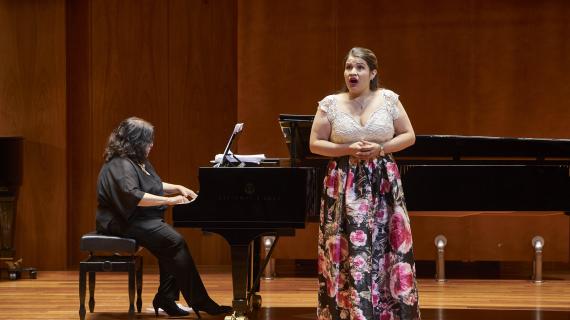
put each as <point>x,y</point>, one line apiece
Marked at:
<point>121,185</point>
<point>366,261</point>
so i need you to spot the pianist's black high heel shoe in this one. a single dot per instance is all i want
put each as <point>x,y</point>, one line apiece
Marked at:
<point>169,306</point>
<point>211,308</point>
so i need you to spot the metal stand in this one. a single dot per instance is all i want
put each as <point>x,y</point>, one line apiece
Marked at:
<point>245,279</point>
<point>269,272</point>
<point>440,242</point>
<point>537,244</point>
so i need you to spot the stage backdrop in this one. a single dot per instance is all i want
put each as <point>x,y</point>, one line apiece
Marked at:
<point>172,63</point>
<point>33,105</point>
<point>71,70</point>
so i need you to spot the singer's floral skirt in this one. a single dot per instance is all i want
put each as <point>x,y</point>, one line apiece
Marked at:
<point>365,256</point>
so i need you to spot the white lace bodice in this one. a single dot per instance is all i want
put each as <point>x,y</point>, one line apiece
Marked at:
<point>346,129</point>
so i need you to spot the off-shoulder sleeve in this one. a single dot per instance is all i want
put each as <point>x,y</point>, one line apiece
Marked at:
<point>392,98</point>
<point>328,106</point>
<point>121,184</point>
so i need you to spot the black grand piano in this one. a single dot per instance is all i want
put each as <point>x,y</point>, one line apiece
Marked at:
<point>486,173</point>
<point>242,204</point>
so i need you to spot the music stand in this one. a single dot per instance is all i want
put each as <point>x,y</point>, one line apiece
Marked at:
<point>297,131</point>
<point>233,137</point>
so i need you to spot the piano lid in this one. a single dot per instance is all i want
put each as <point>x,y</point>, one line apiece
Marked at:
<point>297,130</point>
<point>483,146</point>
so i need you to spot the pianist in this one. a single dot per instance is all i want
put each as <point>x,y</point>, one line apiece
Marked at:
<point>131,203</point>
<point>366,262</point>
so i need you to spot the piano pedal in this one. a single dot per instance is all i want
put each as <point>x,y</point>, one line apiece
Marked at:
<point>255,302</point>
<point>236,317</point>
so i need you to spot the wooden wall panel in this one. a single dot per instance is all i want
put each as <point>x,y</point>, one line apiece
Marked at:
<point>202,100</point>
<point>521,70</point>
<point>32,105</point>
<point>130,70</point>
<point>81,155</point>
<point>471,67</point>
<point>169,62</point>
<point>287,62</point>
<point>128,77</point>
<point>287,59</point>
<point>504,238</point>
<point>423,52</point>
<point>476,236</point>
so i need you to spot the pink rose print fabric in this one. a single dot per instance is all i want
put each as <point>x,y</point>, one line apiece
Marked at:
<point>365,256</point>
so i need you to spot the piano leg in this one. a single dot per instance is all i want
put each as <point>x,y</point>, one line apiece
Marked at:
<point>254,272</point>
<point>254,265</point>
<point>239,280</point>
<point>245,268</point>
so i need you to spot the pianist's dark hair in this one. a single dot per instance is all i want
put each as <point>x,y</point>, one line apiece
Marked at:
<point>130,140</point>
<point>371,60</point>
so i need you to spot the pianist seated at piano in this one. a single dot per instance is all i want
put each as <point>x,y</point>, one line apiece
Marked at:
<point>131,203</point>
<point>365,257</point>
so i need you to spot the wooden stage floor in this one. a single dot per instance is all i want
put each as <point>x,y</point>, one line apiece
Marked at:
<point>54,295</point>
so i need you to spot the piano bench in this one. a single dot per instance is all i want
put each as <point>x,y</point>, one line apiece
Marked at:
<point>109,254</point>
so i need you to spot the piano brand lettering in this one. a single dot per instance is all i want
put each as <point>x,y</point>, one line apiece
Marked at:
<point>249,188</point>
<point>246,197</point>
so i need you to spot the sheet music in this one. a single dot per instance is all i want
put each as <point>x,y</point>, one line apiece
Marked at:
<point>247,158</point>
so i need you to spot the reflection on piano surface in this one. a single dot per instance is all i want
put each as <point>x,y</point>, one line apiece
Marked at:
<point>476,173</point>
